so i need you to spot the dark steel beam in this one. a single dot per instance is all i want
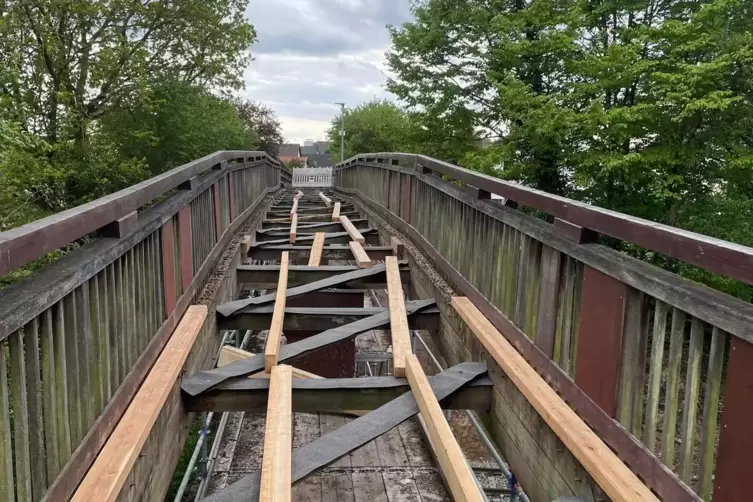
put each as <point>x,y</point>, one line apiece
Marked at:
<point>265,276</point>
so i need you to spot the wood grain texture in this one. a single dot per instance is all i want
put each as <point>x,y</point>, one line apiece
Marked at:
<point>327,200</point>
<point>275,485</point>
<point>619,483</point>
<point>352,230</point>
<point>272,347</point>
<point>455,469</point>
<point>106,477</point>
<point>230,354</point>
<point>293,227</point>
<point>398,319</point>
<point>294,209</point>
<point>360,255</point>
<point>315,258</point>
<point>336,212</point>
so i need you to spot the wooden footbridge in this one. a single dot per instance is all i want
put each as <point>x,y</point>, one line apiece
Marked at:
<point>580,371</point>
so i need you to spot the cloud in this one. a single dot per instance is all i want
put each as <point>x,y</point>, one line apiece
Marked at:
<point>313,53</point>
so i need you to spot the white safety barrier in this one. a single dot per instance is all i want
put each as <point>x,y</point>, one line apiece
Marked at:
<point>312,177</point>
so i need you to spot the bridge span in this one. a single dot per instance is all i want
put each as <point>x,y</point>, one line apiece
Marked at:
<point>400,335</point>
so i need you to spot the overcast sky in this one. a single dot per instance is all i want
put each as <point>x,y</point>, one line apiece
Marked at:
<point>313,53</point>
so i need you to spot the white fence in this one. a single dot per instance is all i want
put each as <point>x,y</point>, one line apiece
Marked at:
<point>312,177</point>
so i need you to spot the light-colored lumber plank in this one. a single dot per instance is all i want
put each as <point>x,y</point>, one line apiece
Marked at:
<point>326,199</point>
<point>360,255</point>
<point>272,348</point>
<point>106,477</point>
<point>299,195</point>
<point>316,249</point>
<point>456,471</point>
<point>294,209</point>
<point>398,317</point>
<point>336,212</point>
<point>230,354</point>
<point>293,227</point>
<point>352,230</point>
<point>276,464</point>
<point>614,477</point>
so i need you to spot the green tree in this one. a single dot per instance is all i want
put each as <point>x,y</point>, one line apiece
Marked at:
<point>260,120</point>
<point>176,122</point>
<point>376,126</point>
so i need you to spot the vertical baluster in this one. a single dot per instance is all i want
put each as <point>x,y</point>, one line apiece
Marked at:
<point>96,341</point>
<point>72,368</point>
<point>671,399</point>
<point>655,372</point>
<point>20,417</point>
<point>35,414</point>
<point>62,405</point>
<point>83,337</point>
<point>711,399</point>
<point>49,387</point>
<point>104,338</point>
<point>7,484</point>
<point>690,403</point>
<point>632,362</point>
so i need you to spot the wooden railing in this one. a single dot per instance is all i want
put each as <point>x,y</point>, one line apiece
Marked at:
<point>647,358</point>
<point>78,337</point>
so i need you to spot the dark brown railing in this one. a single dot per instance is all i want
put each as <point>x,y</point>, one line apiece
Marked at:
<point>647,358</point>
<point>78,337</point>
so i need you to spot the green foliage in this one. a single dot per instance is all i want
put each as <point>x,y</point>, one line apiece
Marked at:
<point>641,107</point>
<point>176,122</point>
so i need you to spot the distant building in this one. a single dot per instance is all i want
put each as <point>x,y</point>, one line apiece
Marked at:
<point>308,150</point>
<point>321,146</point>
<point>319,160</point>
<point>289,151</point>
<point>311,154</point>
<point>308,142</point>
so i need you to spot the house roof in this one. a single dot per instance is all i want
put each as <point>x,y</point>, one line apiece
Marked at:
<point>308,150</point>
<point>320,160</point>
<point>289,150</point>
<point>321,146</point>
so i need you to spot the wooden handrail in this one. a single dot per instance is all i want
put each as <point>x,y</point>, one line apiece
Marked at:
<point>723,257</point>
<point>21,245</point>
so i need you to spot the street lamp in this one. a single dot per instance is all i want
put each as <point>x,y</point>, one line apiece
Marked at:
<point>342,131</point>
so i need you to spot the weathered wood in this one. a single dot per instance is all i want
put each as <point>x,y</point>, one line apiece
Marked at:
<point>328,448</point>
<point>398,248</point>
<point>303,252</point>
<point>272,347</point>
<point>19,398</point>
<point>316,250</point>
<point>245,245</point>
<point>230,354</point>
<point>573,232</point>
<point>7,484</point>
<point>672,393</point>
<point>49,388</point>
<point>319,318</point>
<point>632,364</point>
<point>711,400</point>
<point>362,259</point>
<point>547,313</point>
<point>275,484</point>
<point>184,243</point>
<point>293,225</point>
<point>352,230</point>
<point>122,227</point>
<point>370,234</point>
<point>205,380</point>
<point>655,371</point>
<point>37,454</point>
<point>105,479</point>
<point>732,476</point>
<point>605,467</point>
<point>600,338</point>
<point>658,476</point>
<point>401,346</point>
<point>336,212</point>
<point>456,471</point>
<point>312,393</point>
<point>690,403</point>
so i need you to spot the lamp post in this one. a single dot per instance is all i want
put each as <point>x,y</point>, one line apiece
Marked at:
<point>342,131</point>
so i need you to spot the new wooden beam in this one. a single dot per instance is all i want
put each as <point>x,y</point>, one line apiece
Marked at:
<point>458,474</point>
<point>614,477</point>
<point>293,225</point>
<point>107,476</point>
<point>276,484</point>
<point>326,199</point>
<point>316,250</point>
<point>230,354</point>
<point>265,276</point>
<point>294,209</point>
<point>360,255</point>
<point>352,230</point>
<point>398,318</point>
<point>336,212</point>
<point>272,348</point>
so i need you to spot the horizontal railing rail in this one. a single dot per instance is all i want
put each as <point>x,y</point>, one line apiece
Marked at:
<point>78,336</point>
<point>723,257</point>
<point>24,244</point>
<point>657,364</point>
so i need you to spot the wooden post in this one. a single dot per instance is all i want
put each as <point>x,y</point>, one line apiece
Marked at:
<point>597,365</point>
<point>398,318</point>
<point>548,289</point>
<point>406,198</point>
<point>186,255</point>
<point>231,195</point>
<point>168,266</point>
<point>732,478</point>
<point>272,348</point>
<point>217,209</point>
<point>276,466</point>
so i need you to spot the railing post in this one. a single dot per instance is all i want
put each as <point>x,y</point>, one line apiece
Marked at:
<point>406,198</point>
<point>231,195</point>
<point>732,477</point>
<point>168,266</point>
<point>186,257</point>
<point>597,364</point>
<point>217,209</point>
